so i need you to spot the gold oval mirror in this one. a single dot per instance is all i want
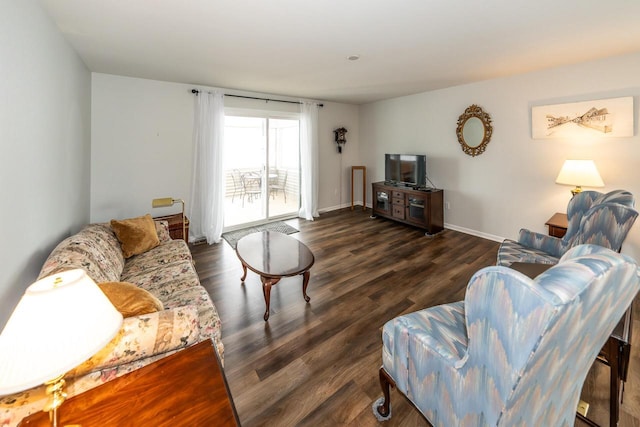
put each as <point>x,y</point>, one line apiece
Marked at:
<point>474,130</point>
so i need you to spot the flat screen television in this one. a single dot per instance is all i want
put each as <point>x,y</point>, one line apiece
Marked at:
<point>405,169</point>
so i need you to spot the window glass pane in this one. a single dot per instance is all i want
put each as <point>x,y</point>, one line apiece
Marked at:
<point>261,169</point>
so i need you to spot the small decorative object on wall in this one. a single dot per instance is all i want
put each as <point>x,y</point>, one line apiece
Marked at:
<point>604,117</point>
<point>474,130</point>
<point>341,138</point>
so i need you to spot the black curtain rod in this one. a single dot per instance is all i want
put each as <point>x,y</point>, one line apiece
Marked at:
<point>196,91</point>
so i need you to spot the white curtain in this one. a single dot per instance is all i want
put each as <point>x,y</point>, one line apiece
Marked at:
<point>309,160</point>
<point>207,183</point>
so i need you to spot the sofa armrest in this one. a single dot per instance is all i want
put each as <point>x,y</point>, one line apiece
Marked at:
<point>146,335</point>
<point>549,244</point>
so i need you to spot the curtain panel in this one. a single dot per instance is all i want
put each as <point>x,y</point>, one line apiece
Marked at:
<point>309,160</point>
<point>206,214</point>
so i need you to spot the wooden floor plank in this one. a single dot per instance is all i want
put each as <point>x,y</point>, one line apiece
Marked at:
<point>316,363</point>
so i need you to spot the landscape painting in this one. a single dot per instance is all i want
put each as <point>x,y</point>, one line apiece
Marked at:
<point>604,117</point>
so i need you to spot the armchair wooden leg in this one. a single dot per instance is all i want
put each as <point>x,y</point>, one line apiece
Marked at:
<point>385,383</point>
<point>615,352</point>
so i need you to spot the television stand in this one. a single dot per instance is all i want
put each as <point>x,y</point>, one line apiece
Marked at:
<point>422,208</point>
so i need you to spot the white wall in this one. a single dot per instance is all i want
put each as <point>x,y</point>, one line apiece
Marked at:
<point>45,140</point>
<point>511,185</point>
<point>335,168</point>
<point>142,145</point>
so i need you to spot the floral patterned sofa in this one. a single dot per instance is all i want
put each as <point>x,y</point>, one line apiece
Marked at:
<point>167,272</point>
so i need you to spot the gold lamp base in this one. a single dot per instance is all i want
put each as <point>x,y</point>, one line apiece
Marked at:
<point>576,190</point>
<point>55,388</point>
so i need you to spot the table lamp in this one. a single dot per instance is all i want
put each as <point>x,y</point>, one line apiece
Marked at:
<point>170,201</point>
<point>579,173</point>
<point>59,322</point>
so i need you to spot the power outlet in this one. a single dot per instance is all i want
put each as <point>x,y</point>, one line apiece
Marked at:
<point>447,205</point>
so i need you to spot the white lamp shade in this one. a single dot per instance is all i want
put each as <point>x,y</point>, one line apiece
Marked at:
<point>580,173</point>
<point>60,322</point>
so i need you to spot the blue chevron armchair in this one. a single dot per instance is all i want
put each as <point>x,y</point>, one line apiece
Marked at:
<point>597,218</point>
<point>516,351</point>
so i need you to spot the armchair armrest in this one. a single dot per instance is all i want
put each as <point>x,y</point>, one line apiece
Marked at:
<point>145,335</point>
<point>549,244</point>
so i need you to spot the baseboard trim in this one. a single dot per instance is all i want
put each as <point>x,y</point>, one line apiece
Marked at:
<point>453,227</point>
<point>474,232</point>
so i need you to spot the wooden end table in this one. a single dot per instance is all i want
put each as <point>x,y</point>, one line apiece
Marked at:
<point>274,255</point>
<point>558,224</point>
<point>187,388</point>
<point>175,226</point>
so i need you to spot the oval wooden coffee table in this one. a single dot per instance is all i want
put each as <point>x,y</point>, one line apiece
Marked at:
<point>274,255</point>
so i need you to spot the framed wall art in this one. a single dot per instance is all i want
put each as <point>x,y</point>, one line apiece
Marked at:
<point>603,117</point>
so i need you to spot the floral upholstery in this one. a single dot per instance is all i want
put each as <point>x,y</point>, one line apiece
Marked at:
<point>166,271</point>
<point>172,251</point>
<point>517,351</point>
<point>593,217</point>
<point>95,249</point>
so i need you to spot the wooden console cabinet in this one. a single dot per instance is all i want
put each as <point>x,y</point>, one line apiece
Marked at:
<point>420,208</point>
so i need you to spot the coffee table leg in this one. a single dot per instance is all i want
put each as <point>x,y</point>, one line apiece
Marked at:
<point>244,272</point>
<point>266,290</point>
<point>305,282</point>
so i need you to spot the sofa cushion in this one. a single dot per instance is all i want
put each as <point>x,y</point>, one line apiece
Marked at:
<point>163,282</point>
<point>129,299</point>
<point>511,251</point>
<point>136,235</point>
<point>208,319</point>
<point>156,258</point>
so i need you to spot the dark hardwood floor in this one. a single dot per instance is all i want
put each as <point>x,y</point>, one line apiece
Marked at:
<point>316,363</point>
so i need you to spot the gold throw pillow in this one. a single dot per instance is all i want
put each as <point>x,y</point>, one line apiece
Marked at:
<point>136,235</point>
<point>129,299</point>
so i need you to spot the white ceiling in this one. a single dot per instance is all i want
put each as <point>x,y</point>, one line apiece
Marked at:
<point>299,47</point>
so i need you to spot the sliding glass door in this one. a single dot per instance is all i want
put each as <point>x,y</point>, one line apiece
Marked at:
<point>262,169</point>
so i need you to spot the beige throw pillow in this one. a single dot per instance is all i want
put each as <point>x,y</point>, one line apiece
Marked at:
<point>129,299</point>
<point>136,235</point>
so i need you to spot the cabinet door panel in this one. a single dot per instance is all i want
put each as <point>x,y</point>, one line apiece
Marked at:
<point>416,209</point>
<point>381,201</point>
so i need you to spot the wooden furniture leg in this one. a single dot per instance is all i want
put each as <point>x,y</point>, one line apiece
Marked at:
<point>305,283</point>
<point>614,381</point>
<point>244,272</point>
<point>386,382</point>
<point>266,290</point>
